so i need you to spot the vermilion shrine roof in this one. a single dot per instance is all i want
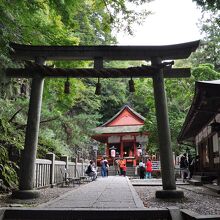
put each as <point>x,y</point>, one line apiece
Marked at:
<point>125,121</point>
<point>126,116</point>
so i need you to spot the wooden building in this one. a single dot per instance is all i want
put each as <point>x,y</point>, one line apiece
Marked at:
<point>123,133</point>
<point>202,128</point>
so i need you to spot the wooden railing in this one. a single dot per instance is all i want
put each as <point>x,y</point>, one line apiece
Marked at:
<point>48,171</point>
<point>42,172</point>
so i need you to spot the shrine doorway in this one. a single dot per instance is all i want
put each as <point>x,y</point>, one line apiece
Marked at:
<point>128,149</point>
<point>128,153</point>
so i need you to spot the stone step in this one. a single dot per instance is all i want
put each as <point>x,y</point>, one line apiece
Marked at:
<point>203,179</point>
<point>111,172</point>
<point>214,188</point>
<point>195,182</point>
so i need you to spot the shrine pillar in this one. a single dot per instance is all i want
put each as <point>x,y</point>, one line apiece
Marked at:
<point>166,155</point>
<point>28,157</point>
<point>121,149</point>
<point>135,154</point>
<point>107,150</point>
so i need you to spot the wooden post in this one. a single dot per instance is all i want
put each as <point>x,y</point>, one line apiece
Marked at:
<point>107,150</point>
<point>166,155</point>
<point>75,161</point>
<point>82,173</point>
<point>28,157</point>
<point>135,154</point>
<point>65,159</point>
<point>81,167</point>
<point>51,157</point>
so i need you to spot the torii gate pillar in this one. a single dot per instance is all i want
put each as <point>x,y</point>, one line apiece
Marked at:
<point>31,139</point>
<point>166,155</point>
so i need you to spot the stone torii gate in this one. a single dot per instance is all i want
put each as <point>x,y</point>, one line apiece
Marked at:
<point>157,71</point>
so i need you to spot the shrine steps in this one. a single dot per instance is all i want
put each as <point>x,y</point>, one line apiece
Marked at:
<point>130,171</point>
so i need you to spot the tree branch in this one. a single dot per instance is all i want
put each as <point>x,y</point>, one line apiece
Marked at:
<point>11,119</point>
<point>41,122</point>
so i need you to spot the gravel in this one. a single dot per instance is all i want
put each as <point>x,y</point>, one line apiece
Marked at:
<point>46,195</point>
<point>197,199</point>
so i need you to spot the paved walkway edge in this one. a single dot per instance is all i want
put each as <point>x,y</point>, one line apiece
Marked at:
<point>136,197</point>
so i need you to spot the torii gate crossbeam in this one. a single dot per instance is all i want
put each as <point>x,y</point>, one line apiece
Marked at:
<point>155,54</point>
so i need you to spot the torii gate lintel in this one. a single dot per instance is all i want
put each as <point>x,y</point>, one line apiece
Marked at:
<point>96,72</point>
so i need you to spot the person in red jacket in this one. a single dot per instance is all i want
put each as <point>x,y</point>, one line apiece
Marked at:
<point>123,167</point>
<point>148,168</point>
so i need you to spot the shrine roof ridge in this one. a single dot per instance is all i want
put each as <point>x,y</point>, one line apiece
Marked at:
<point>118,129</point>
<point>107,52</point>
<point>122,109</point>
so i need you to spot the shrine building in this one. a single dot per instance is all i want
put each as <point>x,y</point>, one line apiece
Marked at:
<point>122,134</point>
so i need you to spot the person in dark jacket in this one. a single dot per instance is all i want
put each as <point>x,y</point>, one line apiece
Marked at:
<point>141,170</point>
<point>91,171</point>
<point>184,167</point>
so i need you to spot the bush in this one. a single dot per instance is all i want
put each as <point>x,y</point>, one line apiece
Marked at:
<point>8,170</point>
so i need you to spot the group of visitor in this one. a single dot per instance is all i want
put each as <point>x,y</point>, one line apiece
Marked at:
<point>120,167</point>
<point>119,163</point>
<point>187,166</point>
<point>92,172</point>
<point>145,170</point>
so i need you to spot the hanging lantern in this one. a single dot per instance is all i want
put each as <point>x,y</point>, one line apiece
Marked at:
<point>67,87</point>
<point>131,85</point>
<point>98,88</point>
<point>112,153</point>
<point>139,151</point>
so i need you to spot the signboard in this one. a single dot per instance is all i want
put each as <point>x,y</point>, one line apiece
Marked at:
<point>114,139</point>
<point>142,138</point>
<point>128,137</point>
<point>155,165</point>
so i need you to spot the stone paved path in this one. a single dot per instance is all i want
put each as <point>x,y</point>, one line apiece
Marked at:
<point>104,193</point>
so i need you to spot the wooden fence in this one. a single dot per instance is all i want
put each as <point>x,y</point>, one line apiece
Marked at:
<point>48,171</point>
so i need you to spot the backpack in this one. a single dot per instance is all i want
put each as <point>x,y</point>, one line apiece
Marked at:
<point>183,162</point>
<point>88,170</point>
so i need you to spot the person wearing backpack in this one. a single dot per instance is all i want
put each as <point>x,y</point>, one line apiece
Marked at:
<point>141,170</point>
<point>184,167</point>
<point>91,171</point>
<point>103,164</point>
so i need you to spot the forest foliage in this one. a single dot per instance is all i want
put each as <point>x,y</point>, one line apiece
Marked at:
<point>67,119</point>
